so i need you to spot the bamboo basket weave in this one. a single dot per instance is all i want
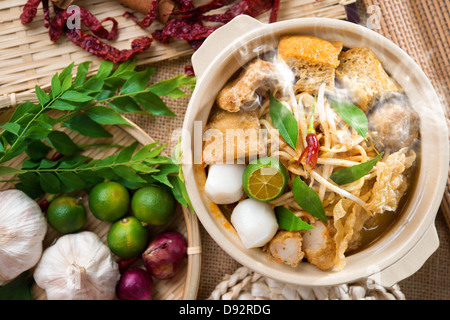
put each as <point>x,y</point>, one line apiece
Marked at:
<point>28,57</point>
<point>184,284</point>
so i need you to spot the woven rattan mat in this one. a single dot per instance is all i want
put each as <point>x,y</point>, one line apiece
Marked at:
<point>421,28</point>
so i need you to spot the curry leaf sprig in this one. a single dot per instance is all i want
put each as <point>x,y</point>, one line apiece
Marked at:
<point>132,168</point>
<point>87,105</point>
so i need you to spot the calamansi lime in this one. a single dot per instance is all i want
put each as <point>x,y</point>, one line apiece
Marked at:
<point>109,201</point>
<point>153,205</point>
<point>66,214</point>
<point>127,237</point>
<point>265,179</point>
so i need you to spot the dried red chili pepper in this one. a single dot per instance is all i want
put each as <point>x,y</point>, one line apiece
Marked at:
<point>185,5</point>
<point>46,13</point>
<point>311,150</point>
<point>189,70</point>
<point>188,24</point>
<point>274,13</point>
<point>58,24</point>
<point>29,11</point>
<point>90,43</point>
<point>195,12</point>
<point>149,17</point>
<point>187,30</point>
<point>105,51</point>
<point>252,8</point>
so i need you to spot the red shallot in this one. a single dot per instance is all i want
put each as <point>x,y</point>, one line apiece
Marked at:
<point>134,284</point>
<point>164,254</point>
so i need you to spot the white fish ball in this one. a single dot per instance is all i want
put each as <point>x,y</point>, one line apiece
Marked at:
<point>224,183</point>
<point>255,222</point>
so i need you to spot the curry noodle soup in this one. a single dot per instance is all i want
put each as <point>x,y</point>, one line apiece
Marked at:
<point>311,151</point>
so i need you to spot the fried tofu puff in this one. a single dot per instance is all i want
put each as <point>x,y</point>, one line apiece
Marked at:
<point>243,89</point>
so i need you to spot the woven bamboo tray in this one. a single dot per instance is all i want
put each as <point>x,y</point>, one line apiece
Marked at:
<point>28,57</point>
<point>184,284</point>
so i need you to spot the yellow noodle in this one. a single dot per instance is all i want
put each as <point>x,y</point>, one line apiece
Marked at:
<point>336,189</point>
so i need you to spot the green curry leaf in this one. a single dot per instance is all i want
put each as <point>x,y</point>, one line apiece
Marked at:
<point>284,121</point>
<point>308,199</point>
<point>18,289</point>
<point>287,220</point>
<point>356,172</point>
<point>351,114</point>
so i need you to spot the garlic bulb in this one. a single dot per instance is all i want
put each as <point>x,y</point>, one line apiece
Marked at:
<point>78,267</point>
<point>22,230</point>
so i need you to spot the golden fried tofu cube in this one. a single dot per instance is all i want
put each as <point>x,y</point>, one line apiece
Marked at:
<point>363,75</point>
<point>313,60</point>
<point>232,135</point>
<point>242,89</point>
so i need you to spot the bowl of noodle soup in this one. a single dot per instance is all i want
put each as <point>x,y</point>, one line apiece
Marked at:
<point>381,150</point>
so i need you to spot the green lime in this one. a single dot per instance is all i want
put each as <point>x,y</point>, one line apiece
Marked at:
<point>265,179</point>
<point>127,237</point>
<point>66,214</point>
<point>109,201</point>
<point>153,205</point>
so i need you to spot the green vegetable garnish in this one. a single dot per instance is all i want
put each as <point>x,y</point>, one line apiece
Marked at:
<point>353,173</point>
<point>351,114</point>
<point>284,121</point>
<point>308,199</point>
<point>287,220</point>
<point>18,289</point>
